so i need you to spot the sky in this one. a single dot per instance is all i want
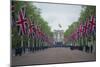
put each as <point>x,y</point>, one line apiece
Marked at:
<point>56,14</point>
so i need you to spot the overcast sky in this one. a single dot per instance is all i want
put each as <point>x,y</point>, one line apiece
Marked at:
<point>56,14</point>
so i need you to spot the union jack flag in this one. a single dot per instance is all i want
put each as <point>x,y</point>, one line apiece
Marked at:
<point>22,21</point>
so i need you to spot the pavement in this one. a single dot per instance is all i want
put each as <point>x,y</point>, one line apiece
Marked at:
<point>53,55</point>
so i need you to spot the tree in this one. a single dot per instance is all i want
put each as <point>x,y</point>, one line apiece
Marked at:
<point>86,12</point>
<point>34,14</point>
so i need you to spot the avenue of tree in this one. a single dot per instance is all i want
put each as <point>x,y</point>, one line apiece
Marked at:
<point>34,14</point>
<point>86,12</point>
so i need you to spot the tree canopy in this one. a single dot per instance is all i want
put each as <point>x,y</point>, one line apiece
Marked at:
<point>34,14</point>
<point>86,12</point>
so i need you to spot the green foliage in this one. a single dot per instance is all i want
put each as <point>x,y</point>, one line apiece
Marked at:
<point>34,14</point>
<point>71,28</point>
<point>86,12</point>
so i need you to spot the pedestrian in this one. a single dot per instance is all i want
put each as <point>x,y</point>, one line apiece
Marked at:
<point>91,48</point>
<point>24,49</point>
<point>20,51</point>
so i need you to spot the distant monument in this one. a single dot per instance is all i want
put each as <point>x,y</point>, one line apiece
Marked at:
<point>58,36</point>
